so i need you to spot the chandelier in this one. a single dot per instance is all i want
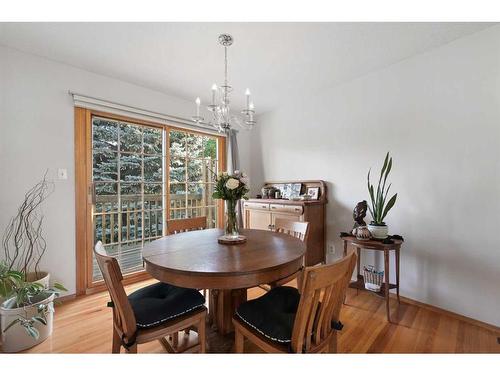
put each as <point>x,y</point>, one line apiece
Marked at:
<point>221,117</point>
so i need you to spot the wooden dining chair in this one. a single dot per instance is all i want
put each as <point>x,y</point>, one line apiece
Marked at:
<point>285,321</point>
<point>152,312</point>
<point>186,225</point>
<point>297,229</point>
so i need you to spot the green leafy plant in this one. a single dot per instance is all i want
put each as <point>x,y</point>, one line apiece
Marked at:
<point>8,279</point>
<point>379,205</point>
<point>26,294</point>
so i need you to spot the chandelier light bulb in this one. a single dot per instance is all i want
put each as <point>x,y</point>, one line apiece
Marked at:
<point>251,106</point>
<point>198,101</point>
<point>247,92</point>
<point>214,87</point>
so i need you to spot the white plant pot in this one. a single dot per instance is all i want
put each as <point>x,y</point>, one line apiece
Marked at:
<point>16,338</point>
<point>41,278</point>
<point>378,231</point>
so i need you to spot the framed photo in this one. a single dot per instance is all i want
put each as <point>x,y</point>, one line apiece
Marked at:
<point>313,192</point>
<point>287,191</point>
<point>296,189</point>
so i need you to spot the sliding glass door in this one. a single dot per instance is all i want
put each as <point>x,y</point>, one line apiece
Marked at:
<point>129,189</point>
<point>141,176</point>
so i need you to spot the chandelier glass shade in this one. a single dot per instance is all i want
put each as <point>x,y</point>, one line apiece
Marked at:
<point>221,117</point>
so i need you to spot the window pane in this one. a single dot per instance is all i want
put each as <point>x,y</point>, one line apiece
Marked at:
<point>195,170</point>
<point>177,170</point>
<point>106,228</point>
<point>209,191</point>
<point>153,171</point>
<point>106,198</point>
<point>177,214</point>
<point>177,144</point>
<point>196,195</point>
<point>104,134</point>
<point>153,198</point>
<point>105,166</point>
<point>195,145</point>
<point>211,217</point>
<point>131,225</point>
<point>196,212</point>
<point>131,196</point>
<point>210,170</point>
<point>152,141</point>
<point>130,257</point>
<point>177,196</point>
<point>153,223</point>
<point>130,138</point>
<point>153,189</point>
<point>106,188</point>
<point>210,148</point>
<point>130,167</point>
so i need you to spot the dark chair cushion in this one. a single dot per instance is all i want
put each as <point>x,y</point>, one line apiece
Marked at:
<point>273,314</point>
<point>157,303</point>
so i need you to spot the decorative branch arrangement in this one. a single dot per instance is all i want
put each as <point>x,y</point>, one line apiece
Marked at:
<point>23,241</point>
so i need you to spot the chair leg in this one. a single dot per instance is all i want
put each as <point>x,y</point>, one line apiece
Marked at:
<point>238,341</point>
<point>116,342</point>
<point>175,339</point>
<point>132,349</point>
<point>202,335</point>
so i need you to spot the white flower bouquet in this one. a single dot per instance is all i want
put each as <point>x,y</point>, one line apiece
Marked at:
<point>231,188</point>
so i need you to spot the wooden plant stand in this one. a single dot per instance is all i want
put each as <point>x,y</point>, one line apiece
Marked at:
<point>378,246</point>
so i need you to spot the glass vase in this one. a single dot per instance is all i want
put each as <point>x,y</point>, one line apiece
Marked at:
<point>231,221</point>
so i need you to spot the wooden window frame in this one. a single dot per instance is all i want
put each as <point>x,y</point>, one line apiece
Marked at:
<point>83,193</point>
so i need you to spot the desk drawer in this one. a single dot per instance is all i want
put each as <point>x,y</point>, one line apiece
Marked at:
<point>256,206</point>
<point>291,209</point>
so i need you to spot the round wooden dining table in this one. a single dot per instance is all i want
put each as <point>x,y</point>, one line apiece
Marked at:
<point>196,260</point>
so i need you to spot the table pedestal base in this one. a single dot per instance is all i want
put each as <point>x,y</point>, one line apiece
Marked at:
<point>222,305</point>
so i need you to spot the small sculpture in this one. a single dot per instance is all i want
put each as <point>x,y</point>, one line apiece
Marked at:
<point>359,214</point>
<point>359,229</point>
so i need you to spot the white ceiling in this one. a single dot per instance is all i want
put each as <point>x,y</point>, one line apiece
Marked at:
<point>278,61</point>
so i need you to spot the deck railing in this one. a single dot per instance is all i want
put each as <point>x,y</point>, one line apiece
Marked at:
<point>108,220</point>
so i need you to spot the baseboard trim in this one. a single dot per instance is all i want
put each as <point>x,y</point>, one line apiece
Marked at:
<point>65,298</point>
<point>451,314</point>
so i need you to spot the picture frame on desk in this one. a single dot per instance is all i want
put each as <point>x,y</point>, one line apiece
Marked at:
<point>313,192</point>
<point>296,189</point>
<point>287,191</point>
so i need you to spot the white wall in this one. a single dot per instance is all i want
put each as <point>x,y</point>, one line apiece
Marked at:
<point>439,115</point>
<point>36,133</point>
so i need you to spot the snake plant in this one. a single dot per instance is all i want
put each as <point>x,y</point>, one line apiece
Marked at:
<point>379,205</point>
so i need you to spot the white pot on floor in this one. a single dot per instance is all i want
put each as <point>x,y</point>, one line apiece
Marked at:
<point>40,277</point>
<point>378,231</point>
<point>16,339</point>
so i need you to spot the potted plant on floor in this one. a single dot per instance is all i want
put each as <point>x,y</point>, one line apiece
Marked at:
<point>23,241</point>
<point>26,316</point>
<point>380,206</point>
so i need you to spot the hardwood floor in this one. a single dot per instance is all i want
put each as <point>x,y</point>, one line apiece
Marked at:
<point>83,325</point>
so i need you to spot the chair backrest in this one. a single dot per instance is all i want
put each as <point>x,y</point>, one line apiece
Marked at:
<point>186,225</point>
<point>298,229</point>
<point>124,316</point>
<point>323,292</point>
